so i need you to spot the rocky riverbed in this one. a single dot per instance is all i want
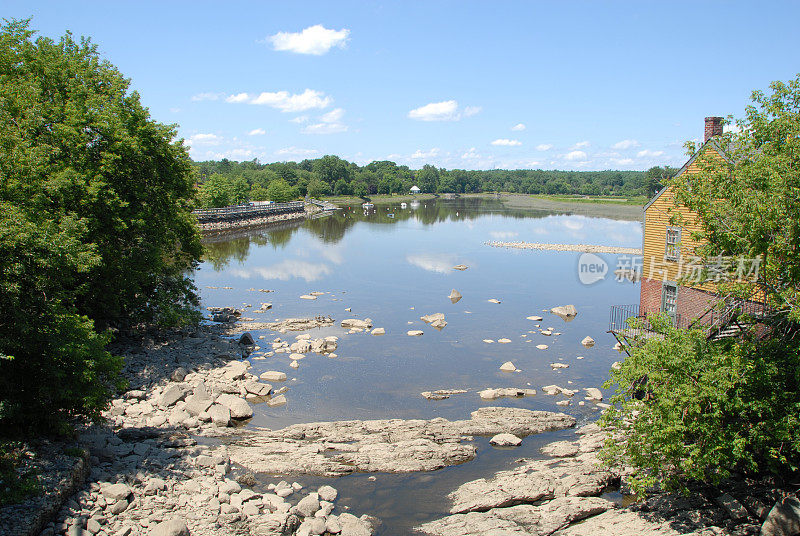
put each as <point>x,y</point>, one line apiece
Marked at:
<point>174,457</point>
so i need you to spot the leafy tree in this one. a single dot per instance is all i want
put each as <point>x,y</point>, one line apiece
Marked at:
<point>657,177</point>
<point>330,169</point>
<point>280,191</point>
<point>342,187</point>
<point>95,225</point>
<point>217,191</point>
<point>240,191</point>
<point>259,194</point>
<point>359,188</point>
<point>427,178</point>
<point>317,188</point>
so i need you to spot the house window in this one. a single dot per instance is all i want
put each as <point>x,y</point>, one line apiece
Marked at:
<point>669,299</point>
<point>673,248</point>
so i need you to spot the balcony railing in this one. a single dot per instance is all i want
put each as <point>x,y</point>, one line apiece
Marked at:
<point>247,211</point>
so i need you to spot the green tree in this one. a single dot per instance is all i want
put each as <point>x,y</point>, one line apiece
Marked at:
<point>96,229</point>
<point>240,191</point>
<point>317,188</point>
<point>427,178</point>
<point>217,191</point>
<point>342,187</point>
<point>280,191</point>
<point>259,194</point>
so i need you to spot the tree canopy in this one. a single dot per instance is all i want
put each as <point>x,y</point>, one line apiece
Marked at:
<point>96,229</point>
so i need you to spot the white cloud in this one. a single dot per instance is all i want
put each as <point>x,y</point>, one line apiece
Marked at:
<point>316,40</point>
<point>544,147</point>
<point>285,101</point>
<point>235,154</point>
<point>625,144</point>
<point>519,127</point>
<point>436,111</point>
<point>299,119</point>
<point>469,111</point>
<point>419,153</point>
<point>204,139</point>
<point>622,161</point>
<point>239,97</point>
<point>507,143</point>
<point>575,155</point>
<point>257,132</point>
<point>325,128</point>
<point>731,128</point>
<point>433,262</point>
<point>175,110</point>
<point>648,153</point>
<point>581,144</point>
<point>295,151</point>
<point>334,116</point>
<point>471,154</point>
<point>206,97</point>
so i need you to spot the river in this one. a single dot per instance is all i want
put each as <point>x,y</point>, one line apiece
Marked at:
<point>393,265</point>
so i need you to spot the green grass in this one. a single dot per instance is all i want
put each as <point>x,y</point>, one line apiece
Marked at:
<point>351,200</point>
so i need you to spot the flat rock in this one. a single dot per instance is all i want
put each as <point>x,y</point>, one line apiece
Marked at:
<point>566,312</point>
<point>414,332</point>
<point>504,341</point>
<point>115,492</point>
<point>238,407</point>
<point>379,331</point>
<point>170,527</point>
<point>460,267</point>
<point>432,317</point>
<point>521,519</point>
<point>535,318</point>
<point>389,445</point>
<point>441,394</point>
<point>356,323</point>
<point>273,376</point>
<point>493,300</point>
<point>542,346</point>
<point>308,297</point>
<point>505,440</point>
<point>783,519</point>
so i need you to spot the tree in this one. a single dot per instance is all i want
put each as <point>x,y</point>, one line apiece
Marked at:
<point>240,191</point>
<point>427,178</point>
<point>657,177</point>
<point>317,188</point>
<point>217,191</point>
<point>95,225</point>
<point>342,187</point>
<point>279,191</point>
<point>259,194</point>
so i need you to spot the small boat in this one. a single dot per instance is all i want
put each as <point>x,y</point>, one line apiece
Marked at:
<point>367,205</point>
<point>391,215</point>
<point>403,205</point>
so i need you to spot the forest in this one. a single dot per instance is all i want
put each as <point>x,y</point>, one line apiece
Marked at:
<point>227,182</point>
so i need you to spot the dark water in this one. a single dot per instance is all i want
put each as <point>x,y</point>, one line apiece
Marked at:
<point>394,270</point>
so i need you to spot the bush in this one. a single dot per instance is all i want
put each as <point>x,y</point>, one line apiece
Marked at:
<point>687,408</point>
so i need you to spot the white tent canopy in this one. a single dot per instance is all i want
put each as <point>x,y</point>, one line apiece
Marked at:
<point>415,189</point>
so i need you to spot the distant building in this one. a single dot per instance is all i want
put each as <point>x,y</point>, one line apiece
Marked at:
<point>415,189</point>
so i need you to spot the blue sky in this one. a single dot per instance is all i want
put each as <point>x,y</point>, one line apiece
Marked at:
<point>471,85</point>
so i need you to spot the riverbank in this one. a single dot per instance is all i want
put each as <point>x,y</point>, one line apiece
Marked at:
<point>612,208</point>
<point>175,456</point>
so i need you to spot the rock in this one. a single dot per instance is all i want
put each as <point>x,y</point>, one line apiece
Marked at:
<point>491,394</point>
<point>508,366</point>
<point>454,296</point>
<point>551,389</point>
<point>356,323</point>
<point>566,312</point>
<point>493,300</point>
<point>588,342</point>
<point>235,370</point>
<point>119,507</point>
<point>115,492</point>
<point>220,415</point>
<point>593,394</point>
<point>504,341</point>
<point>783,519</point>
<point>390,445</point>
<point>154,485</point>
<point>559,365</point>
<point>279,400</point>
<point>438,324</point>
<point>246,339</point>
<point>178,375</point>
<point>327,493</point>
<point>294,364</point>
<point>546,332</point>
<point>414,333</point>
<point>541,520</point>
<point>273,376</point>
<point>505,440</point>
<point>535,318</point>
<point>266,306</point>
<point>308,297</point>
<point>257,388</point>
<point>733,507</point>
<point>379,331</point>
<point>170,527</point>
<point>308,506</point>
<point>432,317</point>
<point>198,403</point>
<point>488,341</point>
<point>171,395</point>
<point>238,407</point>
<point>441,394</point>
<point>460,267</point>
<point>561,449</point>
<point>542,346</point>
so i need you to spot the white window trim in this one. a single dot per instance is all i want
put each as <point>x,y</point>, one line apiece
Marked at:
<point>677,244</point>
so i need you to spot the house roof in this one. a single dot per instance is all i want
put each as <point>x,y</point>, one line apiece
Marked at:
<point>714,144</point>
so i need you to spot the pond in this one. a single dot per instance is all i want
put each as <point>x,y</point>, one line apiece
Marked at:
<point>394,265</point>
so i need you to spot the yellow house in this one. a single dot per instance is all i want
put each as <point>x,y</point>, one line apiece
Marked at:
<point>669,250</point>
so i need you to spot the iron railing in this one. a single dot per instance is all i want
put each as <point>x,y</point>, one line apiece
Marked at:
<point>240,212</point>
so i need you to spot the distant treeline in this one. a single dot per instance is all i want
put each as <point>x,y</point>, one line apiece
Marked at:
<point>227,182</point>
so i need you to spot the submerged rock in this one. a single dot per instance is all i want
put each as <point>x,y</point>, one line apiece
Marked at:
<point>460,267</point>
<point>454,296</point>
<point>566,312</point>
<point>588,342</point>
<point>508,366</point>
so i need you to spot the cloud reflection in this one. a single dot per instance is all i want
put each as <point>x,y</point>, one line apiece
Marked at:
<point>285,271</point>
<point>433,262</point>
<point>501,235</point>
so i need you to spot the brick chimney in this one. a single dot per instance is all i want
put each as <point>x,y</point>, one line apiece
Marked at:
<point>713,127</point>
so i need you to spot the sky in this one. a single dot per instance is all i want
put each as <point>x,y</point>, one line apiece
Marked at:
<point>565,85</point>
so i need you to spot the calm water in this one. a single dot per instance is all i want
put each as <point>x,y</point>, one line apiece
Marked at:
<point>394,270</point>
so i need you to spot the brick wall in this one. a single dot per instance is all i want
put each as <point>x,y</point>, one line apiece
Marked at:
<point>650,296</point>
<point>691,304</point>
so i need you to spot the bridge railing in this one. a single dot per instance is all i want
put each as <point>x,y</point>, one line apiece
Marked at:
<point>247,211</point>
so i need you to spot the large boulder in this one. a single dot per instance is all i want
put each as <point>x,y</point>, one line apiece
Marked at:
<point>273,376</point>
<point>567,312</point>
<point>239,408</point>
<point>170,527</point>
<point>783,519</point>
